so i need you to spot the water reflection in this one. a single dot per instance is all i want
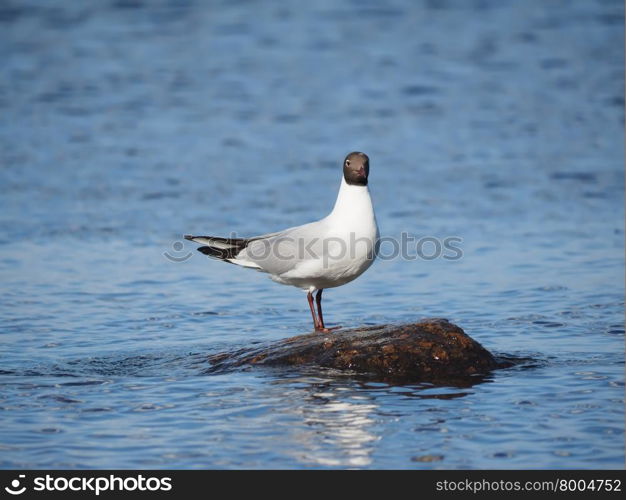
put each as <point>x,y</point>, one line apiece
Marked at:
<point>342,418</point>
<point>338,426</point>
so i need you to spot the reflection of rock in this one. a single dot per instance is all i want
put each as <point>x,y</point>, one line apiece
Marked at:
<point>432,350</point>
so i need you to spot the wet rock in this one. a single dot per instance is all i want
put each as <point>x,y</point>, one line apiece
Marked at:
<point>432,350</point>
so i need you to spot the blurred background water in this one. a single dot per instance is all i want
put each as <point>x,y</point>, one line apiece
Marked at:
<point>125,124</point>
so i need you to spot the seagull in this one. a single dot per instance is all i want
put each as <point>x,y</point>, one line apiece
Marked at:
<point>323,254</point>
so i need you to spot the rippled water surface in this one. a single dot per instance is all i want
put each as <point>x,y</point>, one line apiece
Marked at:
<point>125,124</point>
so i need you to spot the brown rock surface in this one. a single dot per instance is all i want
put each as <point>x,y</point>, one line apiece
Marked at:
<point>432,350</point>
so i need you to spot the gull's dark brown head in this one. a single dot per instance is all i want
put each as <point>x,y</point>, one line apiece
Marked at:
<point>356,169</point>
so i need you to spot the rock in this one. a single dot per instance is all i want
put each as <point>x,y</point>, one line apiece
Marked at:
<point>432,350</point>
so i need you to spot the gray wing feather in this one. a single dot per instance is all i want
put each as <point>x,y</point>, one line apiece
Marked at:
<point>279,253</point>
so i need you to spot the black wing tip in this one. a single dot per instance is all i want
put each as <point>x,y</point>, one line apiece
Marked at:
<point>216,253</point>
<point>188,237</point>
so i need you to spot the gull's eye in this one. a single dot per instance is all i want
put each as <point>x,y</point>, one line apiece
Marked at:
<point>347,163</point>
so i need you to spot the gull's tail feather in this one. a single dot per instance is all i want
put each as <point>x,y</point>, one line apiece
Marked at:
<point>220,248</point>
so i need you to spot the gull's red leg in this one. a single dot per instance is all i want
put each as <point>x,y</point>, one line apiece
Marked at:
<point>309,297</point>
<point>318,300</point>
<point>320,326</point>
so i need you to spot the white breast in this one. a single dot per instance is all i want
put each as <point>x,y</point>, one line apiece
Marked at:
<point>349,243</point>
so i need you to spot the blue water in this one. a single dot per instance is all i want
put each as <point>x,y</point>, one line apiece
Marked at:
<point>125,124</point>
